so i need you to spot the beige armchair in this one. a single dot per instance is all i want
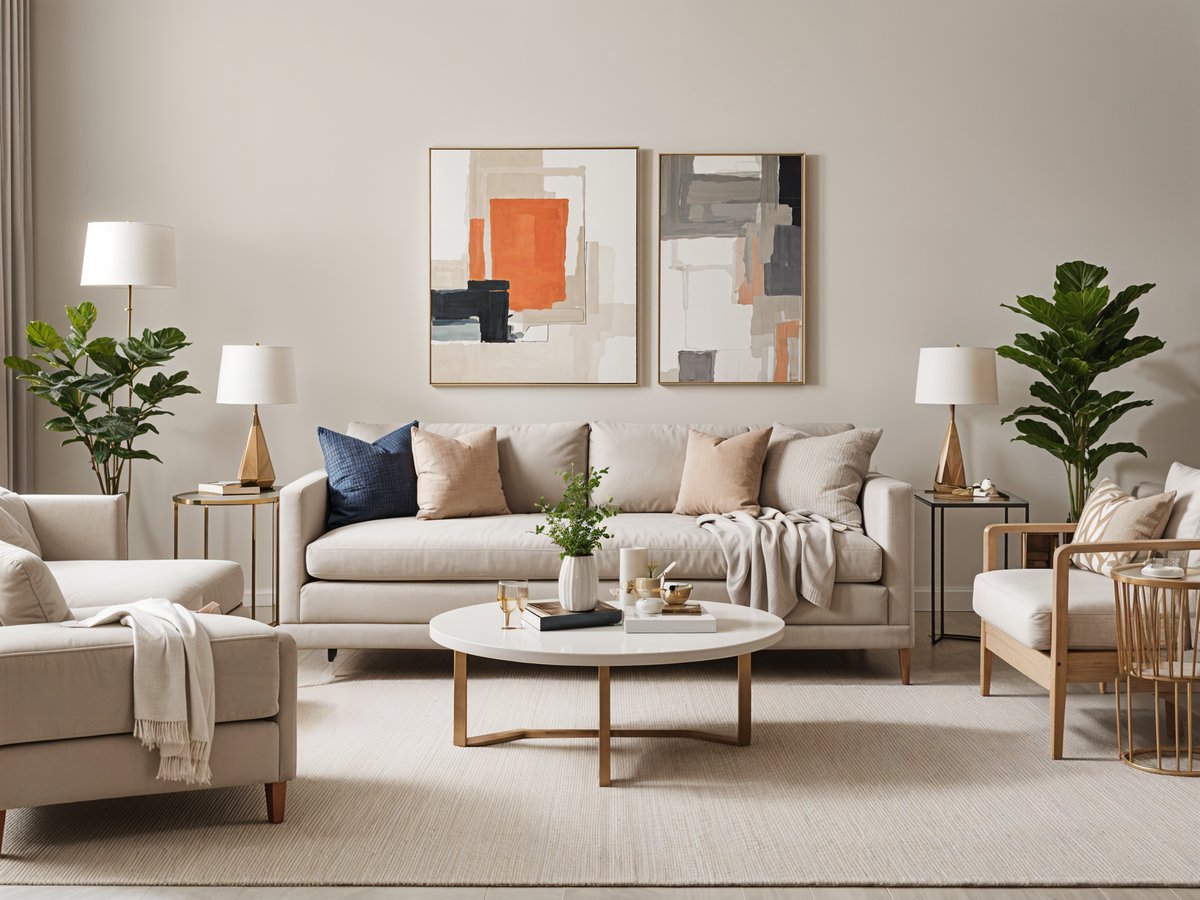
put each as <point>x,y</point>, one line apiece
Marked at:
<point>1055,626</point>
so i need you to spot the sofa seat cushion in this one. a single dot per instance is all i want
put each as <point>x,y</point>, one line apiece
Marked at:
<point>58,682</point>
<point>493,547</point>
<point>1019,601</point>
<point>91,583</point>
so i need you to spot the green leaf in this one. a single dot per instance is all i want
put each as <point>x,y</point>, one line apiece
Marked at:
<point>43,336</point>
<point>22,365</point>
<point>1078,276</point>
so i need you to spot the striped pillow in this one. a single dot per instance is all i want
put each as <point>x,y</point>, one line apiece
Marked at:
<point>1110,514</point>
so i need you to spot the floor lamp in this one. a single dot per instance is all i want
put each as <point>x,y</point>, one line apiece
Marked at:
<point>128,255</point>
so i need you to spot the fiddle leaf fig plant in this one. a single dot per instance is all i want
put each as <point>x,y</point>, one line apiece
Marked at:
<point>574,524</point>
<point>1086,335</point>
<point>100,387</point>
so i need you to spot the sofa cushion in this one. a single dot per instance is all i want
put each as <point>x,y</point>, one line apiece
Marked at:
<point>458,477</point>
<point>28,591</point>
<point>818,474</point>
<point>645,462</point>
<point>15,507</point>
<point>722,475</point>
<point>529,456</point>
<point>60,682</point>
<point>369,480</point>
<point>1019,601</point>
<point>486,549</point>
<point>91,583</point>
<point>1184,523</point>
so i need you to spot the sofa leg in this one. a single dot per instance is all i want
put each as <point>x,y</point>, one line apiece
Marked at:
<point>985,662</point>
<point>1058,712</point>
<point>331,655</point>
<point>905,665</point>
<point>276,801</point>
<point>1,832</point>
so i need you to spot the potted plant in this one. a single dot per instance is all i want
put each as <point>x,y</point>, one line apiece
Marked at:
<point>1087,334</point>
<point>577,527</point>
<point>95,383</point>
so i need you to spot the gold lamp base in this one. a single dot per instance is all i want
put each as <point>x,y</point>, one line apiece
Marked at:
<point>256,468</point>
<point>950,472</point>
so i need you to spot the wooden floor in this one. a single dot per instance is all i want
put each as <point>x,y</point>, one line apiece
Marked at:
<point>959,656</point>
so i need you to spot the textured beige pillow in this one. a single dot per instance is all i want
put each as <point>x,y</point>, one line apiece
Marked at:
<point>821,475</point>
<point>15,507</point>
<point>1184,523</point>
<point>458,476</point>
<point>722,475</point>
<point>28,592</point>
<point>1110,514</point>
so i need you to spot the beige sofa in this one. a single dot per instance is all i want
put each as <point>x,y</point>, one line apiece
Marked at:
<point>66,696</point>
<point>378,583</point>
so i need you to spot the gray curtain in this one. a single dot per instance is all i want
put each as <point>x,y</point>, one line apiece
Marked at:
<point>16,236</point>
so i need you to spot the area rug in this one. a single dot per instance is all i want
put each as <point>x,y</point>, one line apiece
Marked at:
<point>851,779</point>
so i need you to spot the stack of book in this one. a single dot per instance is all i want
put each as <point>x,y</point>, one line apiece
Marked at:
<point>690,618</point>
<point>548,615</point>
<point>228,488</point>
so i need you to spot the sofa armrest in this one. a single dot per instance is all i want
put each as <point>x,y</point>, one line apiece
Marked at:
<point>303,509</point>
<point>286,718</point>
<point>79,526</point>
<point>887,508</point>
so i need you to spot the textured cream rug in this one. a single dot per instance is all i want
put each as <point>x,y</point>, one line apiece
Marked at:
<point>852,779</point>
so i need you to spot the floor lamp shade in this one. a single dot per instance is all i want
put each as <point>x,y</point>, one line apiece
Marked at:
<point>955,376</point>
<point>250,375</point>
<point>129,254</point>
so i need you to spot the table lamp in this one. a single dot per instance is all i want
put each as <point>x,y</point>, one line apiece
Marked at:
<point>254,375</point>
<point>955,376</point>
<point>128,255</point>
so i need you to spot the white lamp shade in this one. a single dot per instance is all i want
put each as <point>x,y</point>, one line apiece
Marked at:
<point>251,373</point>
<point>957,376</point>
<point>129,253</point>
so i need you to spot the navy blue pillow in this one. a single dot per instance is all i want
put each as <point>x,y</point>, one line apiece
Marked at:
<point>369,481</point>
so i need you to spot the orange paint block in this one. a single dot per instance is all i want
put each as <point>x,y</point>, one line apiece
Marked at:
<point>784,331</point>
<point>529,250</point>
<point>477,267</point>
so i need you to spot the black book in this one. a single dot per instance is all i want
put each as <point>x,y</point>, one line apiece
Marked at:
<point>548,615</point>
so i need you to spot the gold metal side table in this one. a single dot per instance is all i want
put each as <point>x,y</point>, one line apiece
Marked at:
<point>1158,628</point>
<point>254,501</point>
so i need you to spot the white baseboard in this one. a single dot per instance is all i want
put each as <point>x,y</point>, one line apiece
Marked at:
<point>958,599</point>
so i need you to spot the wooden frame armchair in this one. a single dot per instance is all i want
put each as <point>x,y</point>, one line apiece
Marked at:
<point>1059,666</point>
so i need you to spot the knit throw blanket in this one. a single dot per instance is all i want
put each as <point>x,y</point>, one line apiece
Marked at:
<point>776,558</point>
<point>173,690</point>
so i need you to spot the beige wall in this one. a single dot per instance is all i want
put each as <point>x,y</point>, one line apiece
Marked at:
<point>959,150</point>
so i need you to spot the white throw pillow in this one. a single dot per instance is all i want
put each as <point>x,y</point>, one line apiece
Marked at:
<point>821,475</point>
<point>1110,514</point>
<point>28,592</point>
<point>15,507</point>
<point>1185,516</point>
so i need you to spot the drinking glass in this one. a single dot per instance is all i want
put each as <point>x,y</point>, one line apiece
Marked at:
<point>512,594</point>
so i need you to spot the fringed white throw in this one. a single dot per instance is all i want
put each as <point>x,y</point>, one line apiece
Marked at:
<point>766,555</point>
<point>174,706</point>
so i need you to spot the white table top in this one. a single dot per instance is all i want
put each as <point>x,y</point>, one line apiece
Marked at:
<point>475,630</point>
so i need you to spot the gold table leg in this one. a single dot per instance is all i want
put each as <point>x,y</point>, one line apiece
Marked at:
<point>254,562</point>
<point>175,506</point>
<point>604,732</point>
<point>206,532</point>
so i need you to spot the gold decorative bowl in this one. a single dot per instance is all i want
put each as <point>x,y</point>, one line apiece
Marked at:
<point>676,593</point>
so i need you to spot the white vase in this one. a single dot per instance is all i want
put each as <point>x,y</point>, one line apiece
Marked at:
<point>578,583</point>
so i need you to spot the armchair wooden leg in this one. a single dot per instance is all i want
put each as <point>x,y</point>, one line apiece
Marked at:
<point>985,662</point>
<point>1058,711</point>
<point>906,665</point>
<point>276,801</point>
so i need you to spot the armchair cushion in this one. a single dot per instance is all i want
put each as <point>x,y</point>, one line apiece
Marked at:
<point>28,592</point>
<point>1019,602</point>
<point>1110,514</point>
<point>15,507</point>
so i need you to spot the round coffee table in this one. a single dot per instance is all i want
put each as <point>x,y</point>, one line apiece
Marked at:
<point>476,631</point>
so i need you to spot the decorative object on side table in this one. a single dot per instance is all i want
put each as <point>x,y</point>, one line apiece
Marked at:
<point>1086,336</point>
<point>207,501</point>
<point>254,375</point>
<point>955,376</point>
<point>86,378</point>
<point>577,527</point>
<point>938,504</point>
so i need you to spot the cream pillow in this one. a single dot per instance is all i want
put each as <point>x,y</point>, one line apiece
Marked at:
<point>1184,522</point>
<point>722,475</point>
<point>821,475</point>
<point>28,592</point>
<point>458,476</point>
<point>15,507</point>
<point>1110,514</point>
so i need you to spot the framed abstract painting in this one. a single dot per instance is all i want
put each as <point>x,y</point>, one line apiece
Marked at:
<point>533,266</point>
<point>731,269</point>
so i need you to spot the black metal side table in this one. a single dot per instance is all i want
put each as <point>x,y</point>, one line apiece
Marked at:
<point>938,504</point>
